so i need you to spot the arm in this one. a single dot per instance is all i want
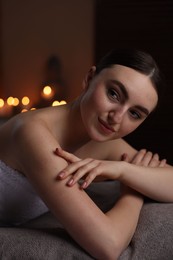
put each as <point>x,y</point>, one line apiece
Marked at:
<point>145,174</point>
<point>155,183</point>
<point>37,161</point>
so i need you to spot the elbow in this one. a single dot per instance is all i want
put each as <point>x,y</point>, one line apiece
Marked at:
<point>109,252</point>
<point>109,255</point>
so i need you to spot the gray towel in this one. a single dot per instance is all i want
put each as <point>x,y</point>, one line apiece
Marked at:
<point>18,200</point>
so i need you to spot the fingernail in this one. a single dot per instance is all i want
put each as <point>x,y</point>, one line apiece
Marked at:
<point>84,184</point>
<point>70,182</point>
<point>124,156</point>
<point>61,174</point>
<point>56,151</point>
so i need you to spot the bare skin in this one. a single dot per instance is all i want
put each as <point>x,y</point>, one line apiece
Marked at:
<point>92,126</point>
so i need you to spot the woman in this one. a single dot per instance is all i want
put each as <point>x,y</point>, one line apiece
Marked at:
<point>118,96</point>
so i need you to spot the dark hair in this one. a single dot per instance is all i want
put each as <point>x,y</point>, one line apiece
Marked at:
<point>136,59</point>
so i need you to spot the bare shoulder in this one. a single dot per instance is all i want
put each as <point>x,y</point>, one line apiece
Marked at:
<point>35,143</point>
<point>110,150</point>
<point>27,140</point>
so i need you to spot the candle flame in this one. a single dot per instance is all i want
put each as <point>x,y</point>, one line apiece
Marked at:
<point>10,101</point>
<point>25,100</point>
<point>47,90</point>
<point>1,102</point>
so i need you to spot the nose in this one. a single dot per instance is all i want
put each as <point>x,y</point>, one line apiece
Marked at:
<point>116,116</point>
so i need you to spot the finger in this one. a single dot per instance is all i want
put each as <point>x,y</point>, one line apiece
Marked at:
<point>72,168</point>
<point>147,159</point>
<point>83,171</point>
<point>139,157</point>
<point>90,177</point>
<point>67,156</point>
<point>155,161</point>
<point>88,181</point>
<point>162,163</point>
<point>125,157</point>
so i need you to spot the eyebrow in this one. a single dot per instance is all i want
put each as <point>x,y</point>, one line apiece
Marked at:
<point>126,95</point>
<point>143,109</point>
<point>122,88</point>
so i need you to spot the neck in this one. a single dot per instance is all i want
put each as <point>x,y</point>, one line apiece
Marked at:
<point>76,133</point>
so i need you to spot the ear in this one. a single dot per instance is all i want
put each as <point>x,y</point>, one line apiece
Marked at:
<point>89,76</point>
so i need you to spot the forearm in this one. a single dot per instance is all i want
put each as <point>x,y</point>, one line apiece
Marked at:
<point>155,183</point>
<point>124,216</point>
<point>105,236</point>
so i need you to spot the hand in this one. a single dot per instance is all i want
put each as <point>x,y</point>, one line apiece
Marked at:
<point>146,159</point>
<point>87,169</point>
<point>69,157</point>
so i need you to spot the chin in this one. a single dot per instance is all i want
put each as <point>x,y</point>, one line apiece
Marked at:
<point>102,138</point>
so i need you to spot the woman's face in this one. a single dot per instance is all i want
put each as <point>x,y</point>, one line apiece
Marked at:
<point>116,101</point>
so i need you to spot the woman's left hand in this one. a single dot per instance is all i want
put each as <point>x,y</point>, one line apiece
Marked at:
<point>145,158</point>
<point>87,169</point>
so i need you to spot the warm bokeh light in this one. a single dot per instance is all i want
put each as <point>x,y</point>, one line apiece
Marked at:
<point>25,101</point>
<point>25,104</point>
<point>58,103</point>
<point>1,102</point>
<point>10,101</point>
<point>55,103</point>
<point>16,102</point>
<point>47,90</point>
<point>62,102</point>
<point>24,110</point>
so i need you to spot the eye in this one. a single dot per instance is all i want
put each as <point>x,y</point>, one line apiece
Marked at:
<point>135,114</point>
<point>113,94</point>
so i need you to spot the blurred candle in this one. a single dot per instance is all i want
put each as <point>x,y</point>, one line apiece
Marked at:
<point>57,103</point>
<point>10,101</point>
<point>25,101</point>
<point>5,108</point>
<point>47,92</point>
<point>16,102</point>
<point>62,102</point>
<point>24,110</point>
<point>1,102</point>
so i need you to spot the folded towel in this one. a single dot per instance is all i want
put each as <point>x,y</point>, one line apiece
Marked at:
<point>18,200</point>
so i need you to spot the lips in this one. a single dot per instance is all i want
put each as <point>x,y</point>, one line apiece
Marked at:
<point>106,128</point>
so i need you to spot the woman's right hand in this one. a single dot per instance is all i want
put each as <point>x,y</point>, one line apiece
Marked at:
<point>69,157</point>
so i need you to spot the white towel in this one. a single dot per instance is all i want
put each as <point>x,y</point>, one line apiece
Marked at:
<point>19,202</point>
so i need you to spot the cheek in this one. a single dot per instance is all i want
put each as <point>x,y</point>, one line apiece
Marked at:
<point>128,127</point>
<point>97,102</point>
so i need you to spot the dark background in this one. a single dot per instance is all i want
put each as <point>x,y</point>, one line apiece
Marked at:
<point>146,25</point>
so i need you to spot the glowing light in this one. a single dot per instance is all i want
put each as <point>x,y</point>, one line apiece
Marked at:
<point>55,103</point>
<point>47,90</point>
<point>33,108</point>
<point>10,101</point>
<point>16,102</point>
<point>24,110</point>
<point>25,101</point>
<point>1,102</point>
<point>62,102</point>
